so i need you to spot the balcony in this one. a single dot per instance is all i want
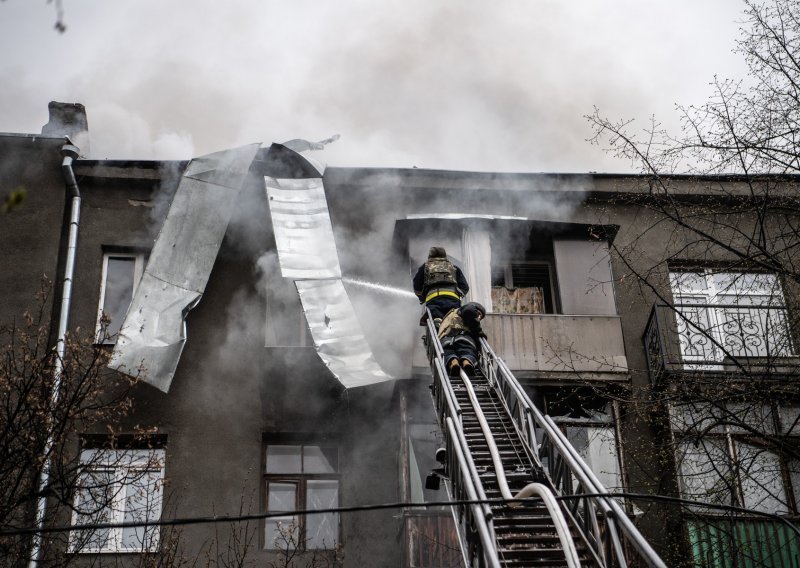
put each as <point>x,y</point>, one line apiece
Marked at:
<point>557,347</point>
<point>730,340</point>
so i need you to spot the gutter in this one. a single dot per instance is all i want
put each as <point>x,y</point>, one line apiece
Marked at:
<point>69,152</point>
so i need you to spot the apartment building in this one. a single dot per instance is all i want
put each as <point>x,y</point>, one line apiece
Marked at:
<point>263,301</point>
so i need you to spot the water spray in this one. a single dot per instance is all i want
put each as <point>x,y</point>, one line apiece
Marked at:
<point>380,288</point>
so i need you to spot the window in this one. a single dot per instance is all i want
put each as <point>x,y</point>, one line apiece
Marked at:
<point>301,477</point>
<point>522,287</point>
<point>118,486</point>
<point>121,274</point>
<point>723,460</point>
<point>727,315</point>
<point>588,421</point>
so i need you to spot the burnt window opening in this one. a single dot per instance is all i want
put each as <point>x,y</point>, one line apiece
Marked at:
<point>301,476</point>
<point>589,421</point>
<point>523,287</point>
<point>523,272</point>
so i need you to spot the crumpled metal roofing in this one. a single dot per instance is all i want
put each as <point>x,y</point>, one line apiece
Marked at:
<point>337,333</point>
<point>303,230</point>
<point>154,330</point>
<point>307,253</point>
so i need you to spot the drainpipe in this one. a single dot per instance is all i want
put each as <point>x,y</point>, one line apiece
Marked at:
<point>69,152</point>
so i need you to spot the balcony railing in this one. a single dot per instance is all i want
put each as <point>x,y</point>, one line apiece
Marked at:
<point>559,344</point>
<point>722,338</point>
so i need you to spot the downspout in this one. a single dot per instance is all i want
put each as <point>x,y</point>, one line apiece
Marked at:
<point>69,152</point>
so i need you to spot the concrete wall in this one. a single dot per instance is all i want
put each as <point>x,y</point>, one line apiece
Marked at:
<point>230,391</point>
<point>31,234</point>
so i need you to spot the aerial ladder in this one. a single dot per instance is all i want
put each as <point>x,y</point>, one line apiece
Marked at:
<point>534,500</point>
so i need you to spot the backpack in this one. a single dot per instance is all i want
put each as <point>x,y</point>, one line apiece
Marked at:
<point>439,272</point>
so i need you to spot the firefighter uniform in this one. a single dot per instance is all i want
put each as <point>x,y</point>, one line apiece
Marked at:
<point>439,284</point>
<point>460,333</point>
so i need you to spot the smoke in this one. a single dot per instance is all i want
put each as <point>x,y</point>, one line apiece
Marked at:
<point>415,83</point>
<point>125,133</point>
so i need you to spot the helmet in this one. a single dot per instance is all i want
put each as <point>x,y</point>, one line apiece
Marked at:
<point>470,311</point>
<point>437,252</point>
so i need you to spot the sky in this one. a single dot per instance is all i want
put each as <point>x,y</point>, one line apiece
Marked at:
<point>442,84</point>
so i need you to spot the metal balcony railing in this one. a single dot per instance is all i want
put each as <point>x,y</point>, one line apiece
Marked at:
<point>719,337</point>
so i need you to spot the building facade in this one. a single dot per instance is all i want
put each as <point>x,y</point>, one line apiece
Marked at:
<point>666,358</point>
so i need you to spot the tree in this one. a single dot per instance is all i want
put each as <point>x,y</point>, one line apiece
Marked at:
<point>722,341</point>
<point>37,428</point>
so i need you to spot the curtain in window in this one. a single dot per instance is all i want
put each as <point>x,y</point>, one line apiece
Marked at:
<point>477,265</point>
<point>517,300</point>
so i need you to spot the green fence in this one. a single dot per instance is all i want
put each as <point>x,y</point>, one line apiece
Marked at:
<point>726,543</point>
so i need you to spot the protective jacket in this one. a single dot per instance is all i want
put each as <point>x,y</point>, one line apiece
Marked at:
<point>460,329</point>
<point>439,277</point>
<point>439,272</point>
<point>453,324</point>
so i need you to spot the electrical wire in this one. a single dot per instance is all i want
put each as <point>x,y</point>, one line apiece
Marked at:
<point>381,506</point>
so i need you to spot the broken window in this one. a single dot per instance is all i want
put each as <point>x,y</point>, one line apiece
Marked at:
<point>121,274</point>
<point>301,477</point>
<point>588,420</point>
<point>549,268</point>
<point>118,486</point>
<point>522,273</point>
<point>522,287</point>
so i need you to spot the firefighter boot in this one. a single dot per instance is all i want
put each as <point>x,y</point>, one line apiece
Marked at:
<point>452,368</point>
<point>468,367</point>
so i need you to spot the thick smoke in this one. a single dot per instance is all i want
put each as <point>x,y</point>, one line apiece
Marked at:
<point>412,83</point>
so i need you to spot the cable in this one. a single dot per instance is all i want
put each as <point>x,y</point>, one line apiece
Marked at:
<point>383,506</point>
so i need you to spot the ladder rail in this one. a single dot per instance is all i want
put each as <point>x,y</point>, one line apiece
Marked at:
<point>481,512</point>
<point>464,477</point>
<point>543,428</point>
<point>561,525</point>
<point>614,511</point>
<point>463,472</point>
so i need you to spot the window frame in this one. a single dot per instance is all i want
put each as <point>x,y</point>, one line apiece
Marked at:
<point>140,258</point>
<point>731,441</point>
<point>607,423</point>
<point>549,298</point>
<point>713,312</point>
<point>300,481</point>
<point>125,471</point>
<point>599,410</point>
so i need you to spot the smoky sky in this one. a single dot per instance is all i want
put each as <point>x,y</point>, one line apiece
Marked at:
<point>500,86</point>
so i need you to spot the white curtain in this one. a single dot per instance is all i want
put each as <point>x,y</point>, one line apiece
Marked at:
<point>477,265</point>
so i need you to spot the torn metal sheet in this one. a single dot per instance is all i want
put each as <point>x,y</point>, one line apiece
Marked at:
<point>337,333</point>
<point>307,253</point>
<point>303,230</point>
<point>154,330</point>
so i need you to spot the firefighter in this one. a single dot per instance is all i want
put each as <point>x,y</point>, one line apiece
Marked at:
<point>460,334</point>
<point>439,284</point>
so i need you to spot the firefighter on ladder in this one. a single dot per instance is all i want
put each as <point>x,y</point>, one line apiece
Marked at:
<point>460,335</point>
<point>440,285</point>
